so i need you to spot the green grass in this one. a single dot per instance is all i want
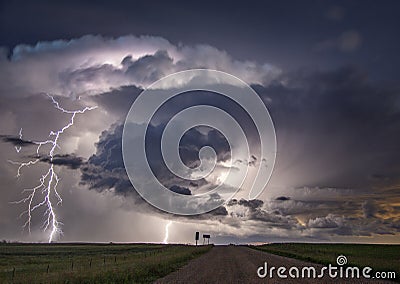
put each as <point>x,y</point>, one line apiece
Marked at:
<point>378,257</point>
<point>92,263</point>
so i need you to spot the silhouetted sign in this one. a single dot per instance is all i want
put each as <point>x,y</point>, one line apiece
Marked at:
<point>197,236</point>
<point>206,236</point>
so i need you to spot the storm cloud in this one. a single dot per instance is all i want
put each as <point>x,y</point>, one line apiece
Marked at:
<point>105,170</point>
<point>92,65</point>
<point>324,70</point>
<point>295,99</point>
<point>16,141</point>
<point>69,160</point>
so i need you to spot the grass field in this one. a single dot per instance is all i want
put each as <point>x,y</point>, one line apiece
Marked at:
<point>92,263</point>
<point>379,257</point>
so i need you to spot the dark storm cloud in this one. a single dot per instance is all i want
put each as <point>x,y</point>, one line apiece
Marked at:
<point>322,224</point>
<point>16,141</point>
<point>332,123</point>
<point>319,207</point>
<point>118,102</point>
<point>360,227</point>
<point>68,160</point>
<point>273,220</point>
<point>282,198</point>
<point>105,169</point>
<point>194,140</point>
<point>356,117</point>
<point>337,217</point>
<point>180,189</point>
<point>256,212</point>
<point>286,43</point>
<point>219,211</point>
<point>252,204</point>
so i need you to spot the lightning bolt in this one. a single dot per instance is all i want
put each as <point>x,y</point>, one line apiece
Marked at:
<point>167,232</point>
<point>49,180</point>
<point>18,148</point>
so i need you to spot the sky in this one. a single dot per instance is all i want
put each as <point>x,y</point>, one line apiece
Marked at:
<point>325,70</point>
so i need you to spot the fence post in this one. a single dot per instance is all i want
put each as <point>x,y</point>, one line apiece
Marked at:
<point>48,268</point>
<point>90,263</point>
<point>72,265</point>
<point>13,274</point>
<point>104,261</point>
<point>115,259</point>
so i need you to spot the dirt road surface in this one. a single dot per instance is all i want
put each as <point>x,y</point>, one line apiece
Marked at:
<point>238,264</point>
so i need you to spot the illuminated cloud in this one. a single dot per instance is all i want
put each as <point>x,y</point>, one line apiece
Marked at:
<point>94,64</point>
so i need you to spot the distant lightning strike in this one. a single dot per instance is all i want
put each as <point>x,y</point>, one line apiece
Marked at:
<point>18,148</point>
<point>49,181</point>
<point>167,232</point>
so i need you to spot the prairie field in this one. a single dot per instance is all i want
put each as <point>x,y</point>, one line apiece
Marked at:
<point>92,263</point>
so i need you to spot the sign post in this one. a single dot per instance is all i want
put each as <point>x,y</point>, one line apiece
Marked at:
<point>206,236</point>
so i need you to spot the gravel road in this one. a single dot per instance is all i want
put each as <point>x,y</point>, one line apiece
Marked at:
<point>238,264</point>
